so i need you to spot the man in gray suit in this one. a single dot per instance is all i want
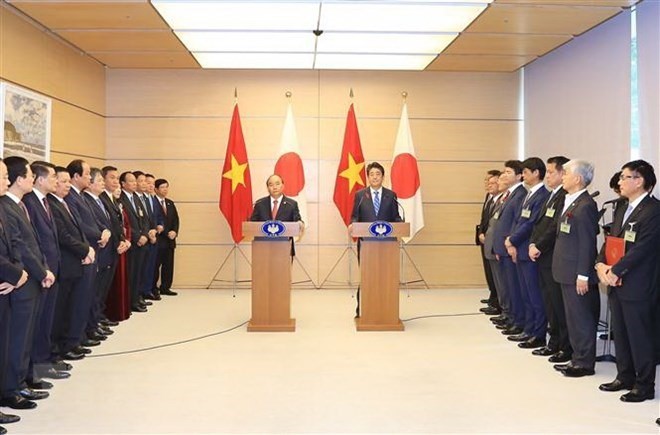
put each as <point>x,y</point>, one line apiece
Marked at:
<point>573,263</point>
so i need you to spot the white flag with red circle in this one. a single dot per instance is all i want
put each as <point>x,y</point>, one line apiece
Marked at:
<point>289,165</point>
<point>405,176</point>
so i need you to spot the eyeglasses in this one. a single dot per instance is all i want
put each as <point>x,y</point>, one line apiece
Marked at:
<point>627,177</point>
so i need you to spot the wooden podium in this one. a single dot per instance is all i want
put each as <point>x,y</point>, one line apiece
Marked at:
<point>271,278</point>
<point>379,276</point>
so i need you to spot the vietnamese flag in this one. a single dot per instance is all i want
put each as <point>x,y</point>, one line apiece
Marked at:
<point>405,176</point>
<point>235,184</point>
<point>289,165</point>
<point>351,176</point>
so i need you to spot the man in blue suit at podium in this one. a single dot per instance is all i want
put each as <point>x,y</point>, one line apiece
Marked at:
<point>374,203</point>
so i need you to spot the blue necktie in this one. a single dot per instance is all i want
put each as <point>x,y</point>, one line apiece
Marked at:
<point>376,202</point>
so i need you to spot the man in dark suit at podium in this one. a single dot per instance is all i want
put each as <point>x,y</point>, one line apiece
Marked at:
<point>276,206</point>
<point>374,203</point>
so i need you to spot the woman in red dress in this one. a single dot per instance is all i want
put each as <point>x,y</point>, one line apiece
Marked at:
<point>118,303</point>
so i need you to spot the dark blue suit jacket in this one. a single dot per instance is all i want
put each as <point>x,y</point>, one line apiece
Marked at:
<point>104,256</point>
<point>26,240</point>
<point>363,207</point>
<point>88,222</point>
<point>638,268</point>
<point>506,217</point>
<point>73,244</point>
<point>46,229</point>
<point>11,267</point>
<point>523,226</point>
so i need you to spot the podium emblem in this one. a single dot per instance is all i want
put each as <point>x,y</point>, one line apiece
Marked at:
<point>273,228</point>
<point>380,229</point>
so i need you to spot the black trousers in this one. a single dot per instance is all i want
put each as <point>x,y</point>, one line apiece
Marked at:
<point>135,261</point>
<point>164,268</point>
<point>554,306</point>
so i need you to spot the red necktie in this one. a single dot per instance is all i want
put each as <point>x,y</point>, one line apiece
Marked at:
<point>274,211</point>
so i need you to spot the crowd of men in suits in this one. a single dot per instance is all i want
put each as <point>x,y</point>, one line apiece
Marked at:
<point>63,231</point>
<point>543,268</point>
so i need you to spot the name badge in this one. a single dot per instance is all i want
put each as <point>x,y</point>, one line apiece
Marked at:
<point>629,236</point>
<point>550,213</point>
<point>526,213</point>
<point>496,216</point>
<point>565,227</point>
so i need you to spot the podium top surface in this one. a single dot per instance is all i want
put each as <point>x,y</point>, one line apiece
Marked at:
<point>362,229</point>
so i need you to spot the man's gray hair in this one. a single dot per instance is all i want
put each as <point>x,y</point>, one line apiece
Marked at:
<point>582,168</point>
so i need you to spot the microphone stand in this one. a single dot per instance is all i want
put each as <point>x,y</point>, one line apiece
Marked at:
<point>607,324</point>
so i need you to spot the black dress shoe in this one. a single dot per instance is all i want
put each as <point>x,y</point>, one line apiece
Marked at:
<point>30,394</point>
<point>90,343</point>
<point>83,350</point>
<point>491,311</point>
<point>8,418</point>
<point>104,330</point>
<point>73,356</point>
<point>657,421</point>
<point>513,330</point>
<point>17,402</point>
<point>51,373</point>
<point>578,372</point>
<point>519,337</point>
<point>532,343</point>
<point>39,385</point>
<point>499,319</point>
<point>152,297</point>
<point>503,327</point>
<point>60,365</point>
<point>561,367</point>
<point>168,293</point>
<point>637,395</point>
<point>544,351</point>
<point>560,357</point>
<point>615,385</point>
<point>95,336</point>
<point>485,301</point>
<point>138,309</point>
<point>107,322</point>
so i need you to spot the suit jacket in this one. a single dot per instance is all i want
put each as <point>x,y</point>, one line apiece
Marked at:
<point>489,236</point>
<point>104,256</point>
<point>88,222</point>
<point>116,224</point>
<point>575,250</point>
<point>26,241</point>
<point>509,211</point>
<point>544,233</point>
<point>138,220</point>
<point>287,210</point>
<point>46,229</point>
<point>486,213</point>
<point>73,244</point>
<point>170,223</point>
<point>11,267</point>
<point>523,224</point>
<point>363,207</point>
<point>638,267</point>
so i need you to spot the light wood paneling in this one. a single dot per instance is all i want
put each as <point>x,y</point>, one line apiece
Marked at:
<point>35,60</point>
<point>123,40</point>
<point>479,62</point>
<point>126,14</point>
<point>505,44</point>
<point>541,19</point>
<point>145,59</point>
<point>76,131</point>
<point>448,266</point>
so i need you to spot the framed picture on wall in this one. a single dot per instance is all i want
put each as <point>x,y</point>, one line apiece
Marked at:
<point>26,117</point>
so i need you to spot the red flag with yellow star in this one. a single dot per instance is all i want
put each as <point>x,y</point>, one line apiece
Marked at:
<point>235,185</point>
<point>351,176</point>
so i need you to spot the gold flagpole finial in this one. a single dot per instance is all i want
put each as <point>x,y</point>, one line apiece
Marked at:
<point>288,94</point>
<point>350,94</point>
<point>404,94</point>
<point>235,95</point>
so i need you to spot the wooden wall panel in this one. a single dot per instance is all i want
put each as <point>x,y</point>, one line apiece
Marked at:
<point>175,124</point>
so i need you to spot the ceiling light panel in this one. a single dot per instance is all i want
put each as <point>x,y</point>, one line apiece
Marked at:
<point>244,15</point>
<point>398,17</point>
<point>358,61</point>
<point>402,43</point>
<point>293,42</point>
<point>255,60</point>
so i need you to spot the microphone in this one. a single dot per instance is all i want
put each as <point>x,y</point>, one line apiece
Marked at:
<point>611,201</point>
<point>403,210</point>
<point>595,194</point>
<point>366,194</point>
